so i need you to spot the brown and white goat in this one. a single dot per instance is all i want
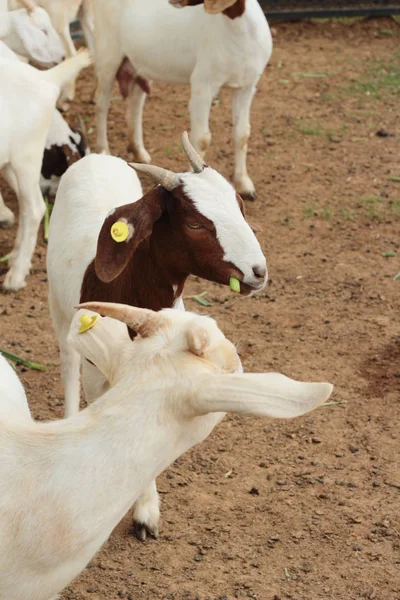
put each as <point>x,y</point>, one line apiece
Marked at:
<point>142,40</point>
<point>191,223</point>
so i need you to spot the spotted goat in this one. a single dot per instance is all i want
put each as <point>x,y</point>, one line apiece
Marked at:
<point>108,243</point>
<point>64,146</point>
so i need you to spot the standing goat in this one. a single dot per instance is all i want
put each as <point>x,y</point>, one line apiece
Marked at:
<point>30,34</point>
<point>65,485</point>
<point>64,146</point>
<point>191,223</point>
<point>27,102</point>
<point>61,13</point>
<point>140,40</point>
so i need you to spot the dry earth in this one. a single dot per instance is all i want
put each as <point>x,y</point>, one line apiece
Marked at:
<point>308,509</point>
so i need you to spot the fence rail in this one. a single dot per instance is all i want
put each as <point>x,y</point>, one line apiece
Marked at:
<point>292,9</point>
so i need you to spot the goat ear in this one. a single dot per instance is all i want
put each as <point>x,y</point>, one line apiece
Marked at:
<point>33,39</point>
<point>268,394</point>
<point>218,6</point>
<point>99,341</point>
<point>122,231</point>
<point>198,340</point>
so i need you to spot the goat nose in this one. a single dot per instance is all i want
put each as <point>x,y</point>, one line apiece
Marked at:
<point>260,271</point>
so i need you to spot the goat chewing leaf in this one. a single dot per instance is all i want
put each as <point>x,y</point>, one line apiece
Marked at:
<point>234,284</point>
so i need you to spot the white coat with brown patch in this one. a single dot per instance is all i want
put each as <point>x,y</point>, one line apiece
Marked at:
<point>208,51</point>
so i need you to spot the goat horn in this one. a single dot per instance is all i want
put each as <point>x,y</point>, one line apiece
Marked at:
<point>167,179</point>
<point>29,5</point>
<point>136,318</point>
<point>196,162</point>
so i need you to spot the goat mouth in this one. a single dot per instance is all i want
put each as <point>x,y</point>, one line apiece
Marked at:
<point>247,290</point>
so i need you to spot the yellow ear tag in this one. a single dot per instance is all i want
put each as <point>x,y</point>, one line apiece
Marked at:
<point>87,322</point>
<point>119,231</point>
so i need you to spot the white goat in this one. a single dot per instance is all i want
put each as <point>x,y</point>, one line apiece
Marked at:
<point>27,102</point>
<point>31,35</point>
<point>61,14</point>
<point>64,146</point>
<point>65,485</point>
<point>190,45</point>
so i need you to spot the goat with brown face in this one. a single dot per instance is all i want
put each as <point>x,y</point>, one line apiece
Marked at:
<point>108,243</point>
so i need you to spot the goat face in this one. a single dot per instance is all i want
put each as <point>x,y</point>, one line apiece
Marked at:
<point>177,337</point>
<point>193,223</point>
<point>215,242</point>
<point>191,359</point>
<point>40,40</point>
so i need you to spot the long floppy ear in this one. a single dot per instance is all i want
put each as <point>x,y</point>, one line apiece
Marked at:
<point>267,394</point>
<point>144,321</point>
<point>34,40</point>
<point>217,6</point>
<point>98,341</point>
<point>123,230</point>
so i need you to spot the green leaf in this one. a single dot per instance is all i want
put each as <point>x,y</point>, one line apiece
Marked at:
<point>49,208</point>
<point>4,259</point>
<point>201,300</point>
<point>26,363</point>
<point>394,179</point>
<point>389,254</point>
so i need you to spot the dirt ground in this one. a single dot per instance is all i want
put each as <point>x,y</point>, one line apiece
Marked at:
<point>307,509</point>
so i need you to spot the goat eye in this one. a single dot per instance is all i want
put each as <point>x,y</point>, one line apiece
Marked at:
<point>194,225</point>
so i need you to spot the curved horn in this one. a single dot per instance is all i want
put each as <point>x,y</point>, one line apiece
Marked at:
<point>29,5</point>
<point>167,179</point>
<point>138,319</point>
<point>196,162</point>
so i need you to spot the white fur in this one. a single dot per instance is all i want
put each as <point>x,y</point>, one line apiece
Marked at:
<point>59,134</point>
<point>216,199</point>
<point>13,402</point>
<point>31,35</point>
<point>61,13</point>
<point>27,102</point>
<point>65,485</point>
<point>208,51</point>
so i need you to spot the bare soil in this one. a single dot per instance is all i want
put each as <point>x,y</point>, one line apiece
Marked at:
<point>307,509</point>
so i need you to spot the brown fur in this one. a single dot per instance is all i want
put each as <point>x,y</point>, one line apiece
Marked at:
<point>233,12</point>
<point>127,77</point>
<point>57,159</point>
<point>162,253</point>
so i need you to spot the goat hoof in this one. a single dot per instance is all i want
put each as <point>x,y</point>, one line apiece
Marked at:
<point>141,156</point>
<point>249,195</point>
<point>63,105</point>
<point>7,219</point>
<point>245,187</point>
<point>13,282</point>
<point>7,223</point>
<point>143,531</point>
